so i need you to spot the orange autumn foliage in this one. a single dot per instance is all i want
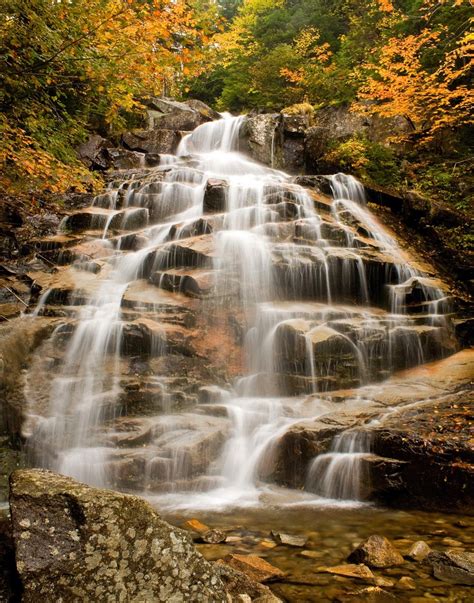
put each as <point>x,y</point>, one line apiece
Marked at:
<point>432,100</point>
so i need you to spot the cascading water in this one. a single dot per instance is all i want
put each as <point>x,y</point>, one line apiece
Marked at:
<point>314,291</point>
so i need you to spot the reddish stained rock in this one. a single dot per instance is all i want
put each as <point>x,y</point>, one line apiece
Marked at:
<point>376,551</point>
<point>254,567</point>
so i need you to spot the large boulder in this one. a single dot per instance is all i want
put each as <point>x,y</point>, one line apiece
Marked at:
<point>76,543</point>
<point>215,196</point>
<point>93,152</point>
<point>260,137</point>
<point>168,114</point>
<point>152,141</point>
<point>333,125</point>
<point>455,567</point>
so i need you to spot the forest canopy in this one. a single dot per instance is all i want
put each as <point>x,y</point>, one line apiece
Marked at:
<point>71,68</point>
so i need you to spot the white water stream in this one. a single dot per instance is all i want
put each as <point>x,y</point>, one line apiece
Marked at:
<point>306,299</point>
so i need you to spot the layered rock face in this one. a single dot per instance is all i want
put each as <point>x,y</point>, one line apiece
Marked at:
<point>199,309</point>
<point>299,142</point>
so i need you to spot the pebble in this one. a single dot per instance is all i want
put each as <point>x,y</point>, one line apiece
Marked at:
<point>195,525</point>
<point>451,542</point>
<point>213,536</point>
<point>267,544</point>
<point>384,582</point>
<point>289,539</point>
<point>406,583</point>
<point>253,566</point>
<point>312,554</point>
<point>349,570</point>
<point>419,551</point>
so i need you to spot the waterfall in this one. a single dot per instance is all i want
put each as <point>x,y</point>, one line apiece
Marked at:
<point>338,473</point>
<point>299,296</point>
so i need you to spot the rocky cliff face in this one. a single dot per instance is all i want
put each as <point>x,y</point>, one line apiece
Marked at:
<point>302,144</point>
<point>146,300</point>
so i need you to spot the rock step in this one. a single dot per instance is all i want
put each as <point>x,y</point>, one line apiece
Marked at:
<point>348,350</point>
<point>194,252</point>
<point>95,219</point>
<point>194,283</point>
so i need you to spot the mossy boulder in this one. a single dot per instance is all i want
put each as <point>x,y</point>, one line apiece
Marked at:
<point>77,543</point>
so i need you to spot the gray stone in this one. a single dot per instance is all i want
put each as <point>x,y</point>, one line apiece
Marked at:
<point>169,114</point>
<point>152,141</point>
<point>213,536</point>
<point>289,539</point>
<point>76,543</point>
<point>453,567</point>
<point>91,152</point>
<point>122,159</point>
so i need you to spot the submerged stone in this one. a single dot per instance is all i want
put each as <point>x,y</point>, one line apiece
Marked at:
<point>453,567</point>
<point>350,570</point>
<point>376,551</point>
<point>419,551</point>
<point>254,567</point>
<point>289,539</point>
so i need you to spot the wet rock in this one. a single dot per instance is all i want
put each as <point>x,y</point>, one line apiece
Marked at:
<point>289,539</point>
<point>211,394</point>
<point>70,540</point>
<point>195,252</point>
<point>376,551</point>
<point>333,354</point>
<point>239,584</point>
<point>320,183</point>
<point>215,196</point>
<point>198,227</point>
<point>464,330</point>
<point>254,567</point>
<point>213,536</point>
<point>90,218</point>
<point>350,570</point>
<point>258,135</point>
<point>195,283</point>
<point>383,582</point>
<point>406,583</point>
<point>453,567</point>
<point>130,219</point>
<point>371,594</point>
<point>196,526</point>
<point>419,551</point>
<point>152,141</point>
<point>142,338</point>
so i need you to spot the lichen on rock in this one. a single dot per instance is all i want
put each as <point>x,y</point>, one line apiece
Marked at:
<point>77,543</point>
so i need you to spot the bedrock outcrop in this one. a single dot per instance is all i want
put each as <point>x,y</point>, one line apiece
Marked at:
<point>419,453</point>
